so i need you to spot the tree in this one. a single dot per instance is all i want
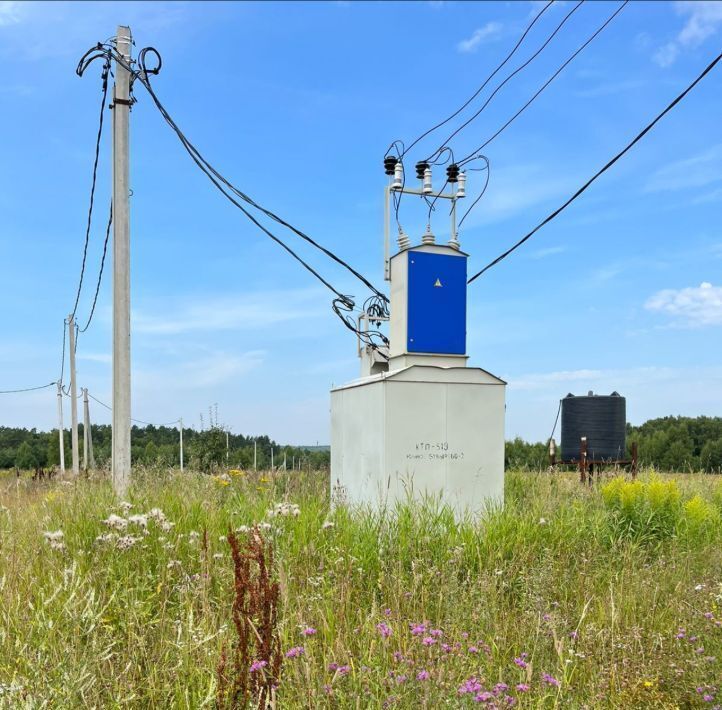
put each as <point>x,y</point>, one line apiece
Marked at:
<point>26,458</point>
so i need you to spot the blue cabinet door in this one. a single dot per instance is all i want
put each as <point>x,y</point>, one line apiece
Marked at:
<point>436,304</point>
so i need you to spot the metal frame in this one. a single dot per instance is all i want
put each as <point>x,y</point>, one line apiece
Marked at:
<point>586,465</point>
<point>411,191</point>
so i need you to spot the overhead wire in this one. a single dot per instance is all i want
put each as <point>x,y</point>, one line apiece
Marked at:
<point>219,181</point>
<point>483,189</point>
<point>471,155</point>
<point>600,172</point>
<point>100,272</point>
<point>137,421</point>
<point>484,84</point>
<point>29,389</point>
<point>104,95</point>
<point>520,68</point>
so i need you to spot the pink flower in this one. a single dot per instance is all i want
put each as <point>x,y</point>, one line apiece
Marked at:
<point>521,662</point>
<point>333,667</point>
<point>550,680</point>
<point>295,652</point>
<point>522,688</point>
<point>384,630</point>
<point>445,647</point>
<point>436,633</point>
<point>573,635</point>
<point>418,629</point>
<point>344,670</point>
<point>422,675</point>
<point>473,649</point>
<point>708,698</point>
<point>387,612</point>
<point>400,679</point>
<point>708,615</point>
<point>484,697</point>
<point>500,688</point>
<point>398,657</point>
<point>258,665</point>
<point>309,631</point>
<point>471,685</point>
<point>428,641</point>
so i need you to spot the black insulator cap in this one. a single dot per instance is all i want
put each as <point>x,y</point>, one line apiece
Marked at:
<point>420,168</point>
<point>452,173</point>
<point>390,164</point>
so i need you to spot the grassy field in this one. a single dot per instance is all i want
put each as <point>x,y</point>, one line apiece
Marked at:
<point>574,597</point>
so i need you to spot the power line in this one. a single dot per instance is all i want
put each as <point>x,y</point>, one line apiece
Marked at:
<point>106,71</point>
<point>29,389</point>
<point>513,74</point>
<point>100,272</point>
<point>544,86</point>
<point>481,88</point>
<point>138,421</point>
<point>639,137</point>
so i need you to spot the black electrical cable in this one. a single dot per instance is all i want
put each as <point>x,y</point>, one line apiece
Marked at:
<point>106,70</point>
<point>143,77</point>
<point>29,389</point>
<point>483,190</point>
<point>100,272</point>
<point>486,81</point>
<point>556,421</point>
<point>639,137</point>
<point>512,75</point>
<point>137,421</point>
<point>544,86</point>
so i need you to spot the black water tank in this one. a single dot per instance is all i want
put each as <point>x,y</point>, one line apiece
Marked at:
<point>601,418</point>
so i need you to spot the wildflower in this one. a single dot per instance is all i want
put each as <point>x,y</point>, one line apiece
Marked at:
<point>387,612</point>
<point>698,587</point>
<point>400,679</point>
<point>116,522</point>
<point>500,688</point>
<point>708,615</point>
<point>542,521</point>
<point>471,685</point>
<point>445,647</point>
<point>327,524</point>
<point>333,667</point>
<point>125,506</point>
<point>172,564</point>
<point>522,688</point>
<point>384,630</point>
<point>309,631</point>
<point>680,634</point>
<point>708,698</point>
<point>484,697</point>
<point>166,526</point>
<point>418,629</point>
<point>258,665</point>
<point>550,680</point>
<point>193,535</point>
<point>422,675</point>
<point>699,650</point>
<point>157,515</point>
<point>139,520</point>
<point>265,526</point>
<point>217,555</point>
<point>574,635</point>
<point>343,670</point>
<point>126,542</point>
<point>55,540</point>
<point>473,649</point>
<point>521,662</point>
<point>546,617</point>
<point>428,640</point>
<point>295,652</point>
<point>436,633</point>
<point>398,657</point>
<point>105,537</point>
<point>243,529</point>
<point>510,700</point>
<point>328,689</point>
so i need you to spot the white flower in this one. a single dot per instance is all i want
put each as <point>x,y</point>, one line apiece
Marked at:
<point>55,536</point>
<point>157,514</point>
<point>126,542</point>
<point>193,535</point>
<point>222,538</point>
<point>125,506</point>
<point>166,526</point>
<point>265,526</point>
<point>699,588</point>
<point>328,524</point>
<point>106,537</point>
<point>141,520</point>
<point>116,522</point>
<point>217,556</point>
<point>172,564</point>
<point>243,529</point>
<point>284,509</point>
<point>542,521</point>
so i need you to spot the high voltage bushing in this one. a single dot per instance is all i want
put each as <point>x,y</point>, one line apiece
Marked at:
<point>390,164</point>
<point>452,173</point>
<point>421,167</point>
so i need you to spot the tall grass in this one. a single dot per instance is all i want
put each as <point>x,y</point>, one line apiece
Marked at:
<point>567,596</point>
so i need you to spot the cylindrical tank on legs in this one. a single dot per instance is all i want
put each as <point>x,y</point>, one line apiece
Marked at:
<point>602,419</point>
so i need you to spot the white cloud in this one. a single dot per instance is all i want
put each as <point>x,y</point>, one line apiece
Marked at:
<point>549,251</point>
<point>697,171</point>
<point>490,31</point>
<point>704,17</point>
<point>694,307</point>
<point>9,12</point>
<point>241,312</point>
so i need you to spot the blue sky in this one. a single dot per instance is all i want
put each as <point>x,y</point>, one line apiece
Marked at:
<point>296,103</point>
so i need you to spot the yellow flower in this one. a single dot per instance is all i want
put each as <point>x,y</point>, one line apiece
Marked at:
<point>237,472</point>
<point>264,479</point>
<point>648,684</point>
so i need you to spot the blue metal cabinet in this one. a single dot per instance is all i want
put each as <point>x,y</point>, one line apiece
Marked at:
<point>436,303</point>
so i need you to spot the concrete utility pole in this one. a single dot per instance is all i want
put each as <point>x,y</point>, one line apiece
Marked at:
<point>255,454</point>
<point>121,267</point>
<point>73,397</point>
<point>227,450</point>
<point>181,443</point>
<point>271,458</point>
<point>61,443</point>
<point>88,458</point>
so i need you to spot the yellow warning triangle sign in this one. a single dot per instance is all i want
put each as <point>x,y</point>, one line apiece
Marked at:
<point>438,284</point>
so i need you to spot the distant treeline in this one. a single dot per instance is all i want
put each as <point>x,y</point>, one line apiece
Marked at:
<point>667,443</point>
<point>29,448</point>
